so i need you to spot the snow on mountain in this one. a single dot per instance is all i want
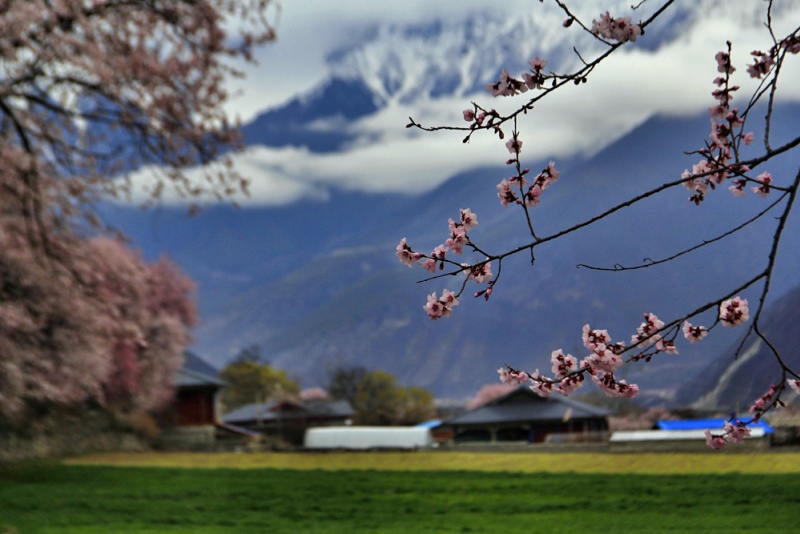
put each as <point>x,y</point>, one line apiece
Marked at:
<point>349,133</point>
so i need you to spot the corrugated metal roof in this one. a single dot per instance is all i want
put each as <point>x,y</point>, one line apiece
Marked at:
<point>522,404</point>
<point>196,372</point>
<point>710,424</point>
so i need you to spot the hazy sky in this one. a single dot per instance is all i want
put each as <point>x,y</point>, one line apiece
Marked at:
<point>633,85</point>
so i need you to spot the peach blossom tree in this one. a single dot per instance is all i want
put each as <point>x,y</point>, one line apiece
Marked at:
<point>721,163</point>
<point>89,91</point>
<point>92,324</point>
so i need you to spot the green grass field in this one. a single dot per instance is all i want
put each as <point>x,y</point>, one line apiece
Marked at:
<point>490,493</point>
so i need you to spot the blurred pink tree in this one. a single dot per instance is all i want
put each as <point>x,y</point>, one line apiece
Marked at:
<point>96,324</point>
<point>89,91</point>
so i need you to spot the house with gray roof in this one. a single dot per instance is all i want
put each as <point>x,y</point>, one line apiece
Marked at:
<point>192,421</point>
<point>288,420</point>
<point>197,385</point>
<point>523,416</point>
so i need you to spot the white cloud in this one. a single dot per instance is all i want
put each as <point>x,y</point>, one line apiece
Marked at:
<point>633,85</point>
<point>309,29</point>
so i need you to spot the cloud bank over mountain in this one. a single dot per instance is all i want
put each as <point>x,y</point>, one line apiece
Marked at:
<point>431,71</point>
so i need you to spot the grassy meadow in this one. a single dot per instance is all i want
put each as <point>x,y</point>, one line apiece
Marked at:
<point>403,492</point>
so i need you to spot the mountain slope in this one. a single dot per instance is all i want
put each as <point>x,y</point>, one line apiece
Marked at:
<point>732,385</point>
<point>318,283</point>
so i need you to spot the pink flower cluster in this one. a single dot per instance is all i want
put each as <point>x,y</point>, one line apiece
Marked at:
<point>646,333</point>
<point>731,433</point>
<point>441,307</point>
<point>478,116</point>
<point>613,388</point>
<point>726,131</point>
<point>762,63</point>
<point>734,312</point>
<point>616,29</point>
<point>480,272</point>
<point>509,86</point>
<point>764,179</point>
<point>568,377</point>
<point>694,334</point>
<point>513,377</point>
<point>605,355</point>
<point>455,243</point>
<point>763,403</point>
<point>512,190</point>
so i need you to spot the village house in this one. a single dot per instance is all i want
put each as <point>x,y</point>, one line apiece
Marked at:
<point>523,416</point>
<point>286,421</point>
<point>192,421</point>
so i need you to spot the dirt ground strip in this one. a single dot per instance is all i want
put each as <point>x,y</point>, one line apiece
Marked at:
<point>620,463</point>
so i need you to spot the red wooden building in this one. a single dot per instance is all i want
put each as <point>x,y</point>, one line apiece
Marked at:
<point>197,386</point>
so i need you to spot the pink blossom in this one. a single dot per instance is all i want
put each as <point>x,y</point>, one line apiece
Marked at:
<point>714,441</point>
<point>603,359</point>
<point>570,384</point>
<point>533,82</point>
<point>468,219</point>
<point>405,254</point>
<point>434,307</point>
<point>563,364</point>
<point>647,331</point>
<point>547,177</point>
<point>748,138</point>
<point>513,377</point>
<point>506,86</point>
<point>666,346</point>
<point>736,433</point>
<point>605,355</point>
<point>443,307</point>
<point>762,63</point>
<point>612,388</point>
<point>429,264</point>
<point>738,187</point>
<point>619,29</point>
<point>794,384</point>
<point>591,338</point>
<point>469,115</point>
<point>480,273</point>
<point>734,312</point>
<point>694,334</point>
<point>792,44</point>
<point>540,385</point>
<point>718,112</point>
<point>532,196</point>
<point>537,63</point>
<point>761,404</point>
<point>514,145</point>
<point>457,241</point>
<point>763,190</point>
<point>506,194</point>
<point>724,62</point>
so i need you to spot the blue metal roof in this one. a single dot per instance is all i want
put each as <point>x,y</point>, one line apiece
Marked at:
<point>710,424</point>
<point>433,423</point>
<point>522,404</point>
